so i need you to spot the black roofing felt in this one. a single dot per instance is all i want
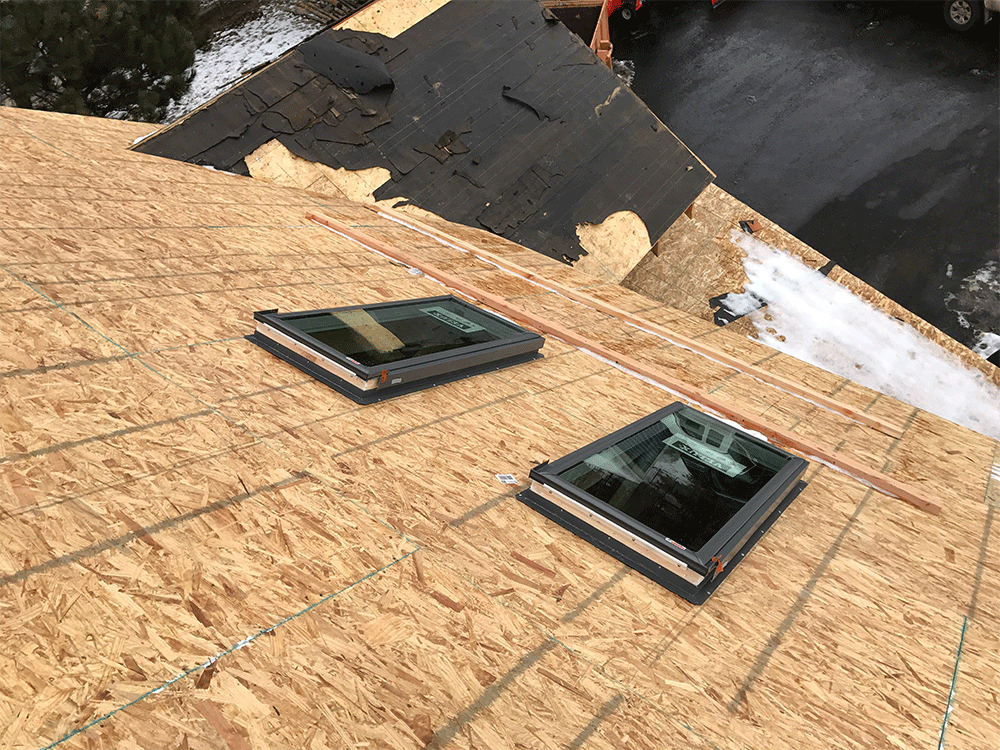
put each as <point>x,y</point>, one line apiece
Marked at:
<point>490,114</point>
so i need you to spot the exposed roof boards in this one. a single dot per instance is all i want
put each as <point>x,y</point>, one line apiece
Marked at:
<point>487,113</point>
<point>201,543</point>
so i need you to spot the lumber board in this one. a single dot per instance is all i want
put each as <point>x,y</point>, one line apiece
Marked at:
<point>783,437</point>
<point>761,374</point>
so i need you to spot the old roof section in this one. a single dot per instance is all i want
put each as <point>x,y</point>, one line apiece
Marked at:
<point>491,114</point>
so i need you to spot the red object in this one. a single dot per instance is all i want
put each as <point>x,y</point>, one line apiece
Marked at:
<point>615,5</point>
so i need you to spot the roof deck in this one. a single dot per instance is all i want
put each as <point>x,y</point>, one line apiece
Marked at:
<point>202,547</point>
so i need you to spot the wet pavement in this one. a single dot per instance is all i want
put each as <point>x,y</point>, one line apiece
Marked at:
<point>868,129</point>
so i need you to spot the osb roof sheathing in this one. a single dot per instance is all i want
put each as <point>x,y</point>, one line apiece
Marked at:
<point>201,547</point>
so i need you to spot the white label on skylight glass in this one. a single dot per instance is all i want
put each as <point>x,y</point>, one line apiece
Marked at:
<point>455,321</point>
<point>506,478</point>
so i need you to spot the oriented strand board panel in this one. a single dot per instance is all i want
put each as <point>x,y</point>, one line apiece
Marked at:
<point>614,246</point>
<point>274,163</point>
<point>390,17</point>
<point>201,547</point>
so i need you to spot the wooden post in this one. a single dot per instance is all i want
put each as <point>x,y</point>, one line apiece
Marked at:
<point>601,41</point>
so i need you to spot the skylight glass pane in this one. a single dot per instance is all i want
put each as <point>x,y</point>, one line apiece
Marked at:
<point>678,477</point>
<point>381,335</point>
<point>385,349</point>
<point>678,496</point>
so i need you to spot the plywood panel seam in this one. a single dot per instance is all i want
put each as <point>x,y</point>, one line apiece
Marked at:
<point>60,366</point>
<point>222,654</point>
<point>80,320</point>
<point>954,681</point>
<point>415,428</point>
<point>133,478</point>
<point>219,290</point>
<point>88,164</point>
<point>65,445</point>
<point>158,276</point>
<point>64,228</point>
<point>226,340</point>
<point>39,308</point>
<point>144,257</point>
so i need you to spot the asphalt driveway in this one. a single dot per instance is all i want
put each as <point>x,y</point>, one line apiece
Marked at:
<point>868,129</point>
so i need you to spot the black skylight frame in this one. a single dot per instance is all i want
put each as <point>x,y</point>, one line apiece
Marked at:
<point>368,384</point>
<point>713,561</point>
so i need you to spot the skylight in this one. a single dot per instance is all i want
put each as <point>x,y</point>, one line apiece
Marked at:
<point>678,496</point>
<point>373,352</point>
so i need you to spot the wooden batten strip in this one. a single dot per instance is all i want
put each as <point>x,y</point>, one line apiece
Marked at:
<point>785,384</point>
<point>779,435</point>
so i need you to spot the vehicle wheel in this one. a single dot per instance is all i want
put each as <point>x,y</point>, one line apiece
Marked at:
<point>962,15</point>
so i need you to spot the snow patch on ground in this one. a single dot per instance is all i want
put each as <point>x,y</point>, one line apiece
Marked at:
<point>625,70</point>
<point>986,344</point>
<point>814,319</point>
<point>976,304</point>
<point>232,52</point>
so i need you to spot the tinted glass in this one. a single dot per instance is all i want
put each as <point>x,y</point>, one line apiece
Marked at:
<point>381,335</point>
<point>684,476</point>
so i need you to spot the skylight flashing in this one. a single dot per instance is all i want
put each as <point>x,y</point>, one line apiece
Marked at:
<point>373,352</point>
<point>678,495</point>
